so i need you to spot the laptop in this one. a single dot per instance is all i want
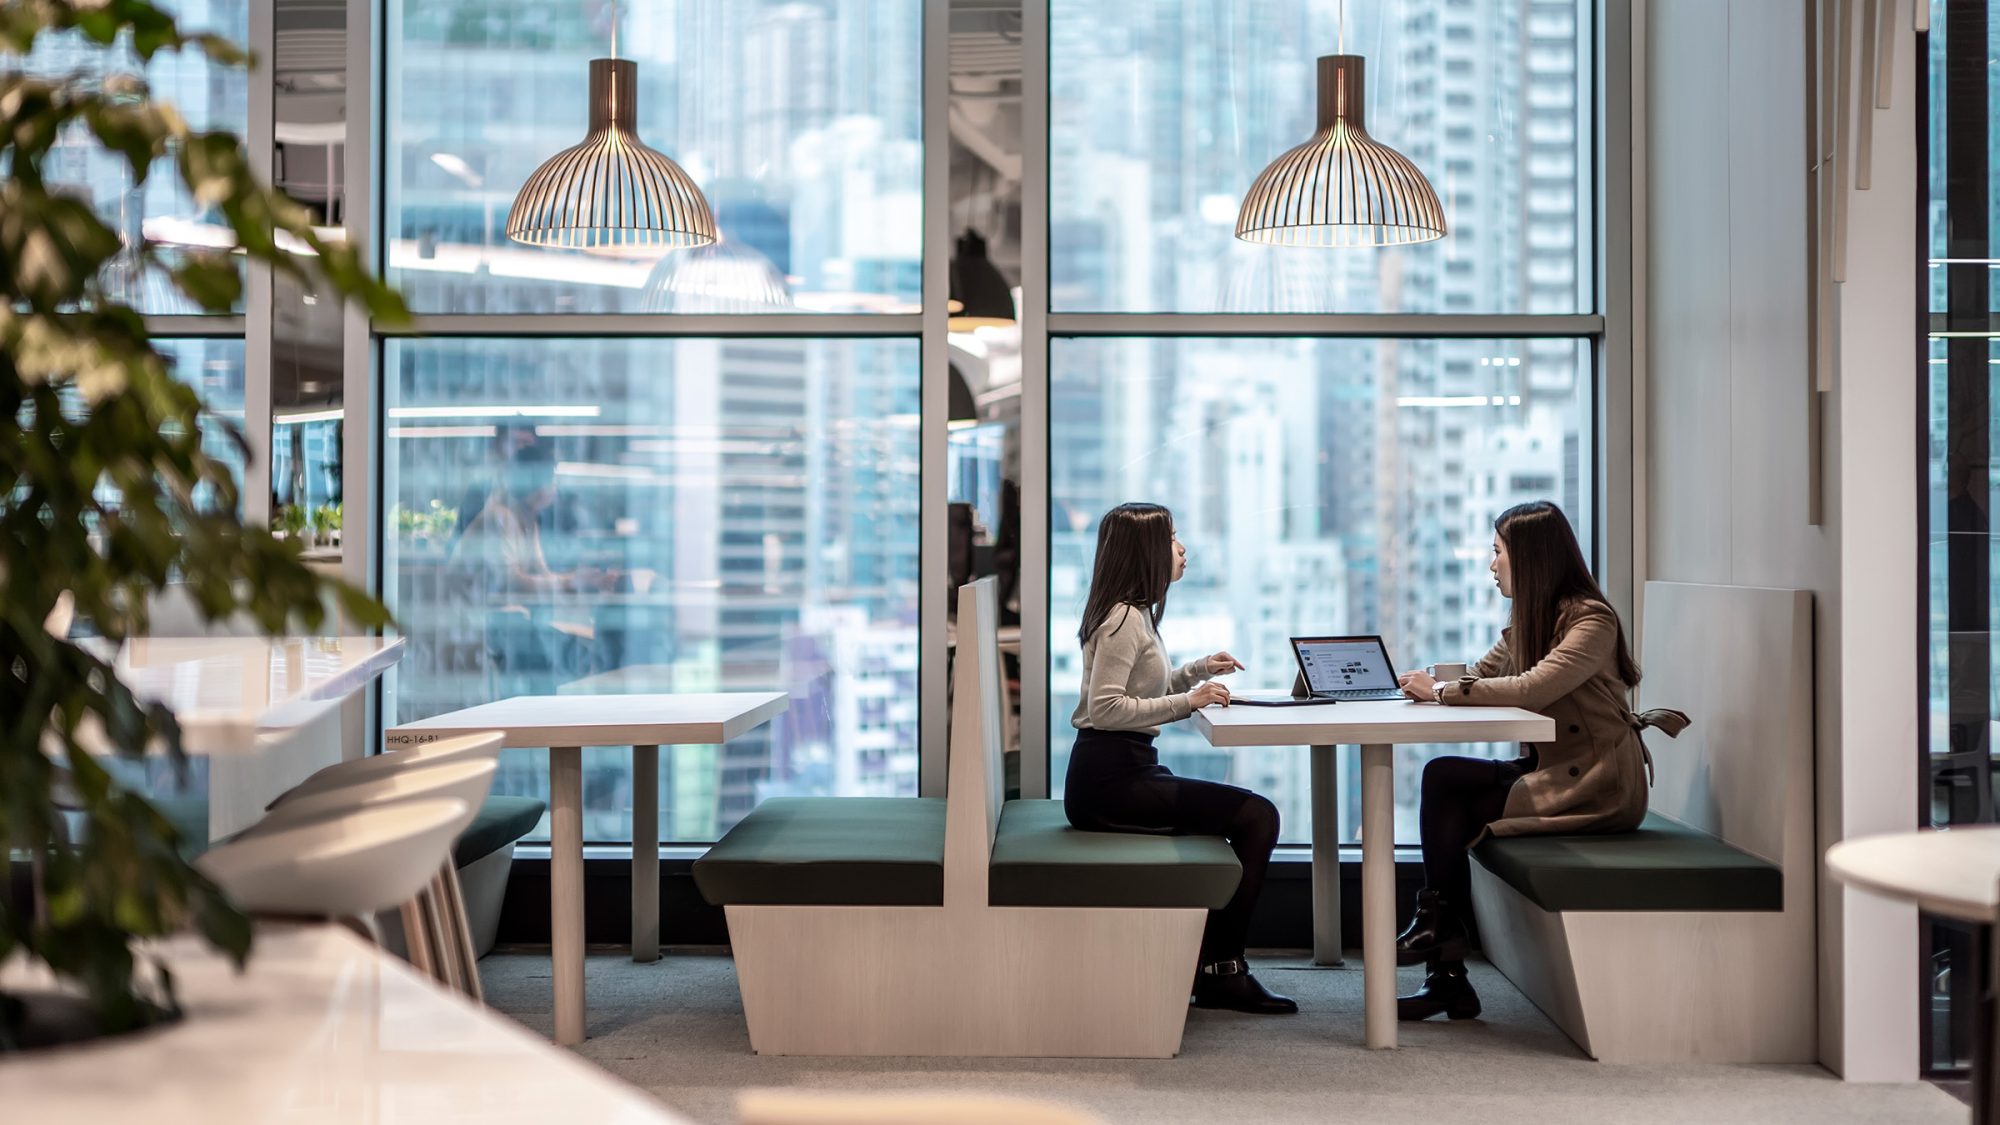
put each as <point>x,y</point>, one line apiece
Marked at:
<point>1337,670</point>
<point>1344,668</point>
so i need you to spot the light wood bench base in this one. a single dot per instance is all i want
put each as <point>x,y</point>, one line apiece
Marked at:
<point>1009,981</point>
<point>1659,986</point>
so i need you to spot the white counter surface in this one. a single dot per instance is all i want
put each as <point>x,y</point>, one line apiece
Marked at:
<point>233,695</point>
<point>322,1030</point>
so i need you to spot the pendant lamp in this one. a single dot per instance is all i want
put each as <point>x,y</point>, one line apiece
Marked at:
<point>1342,187</point>
<point>979,292</point>
<point>611,194</point>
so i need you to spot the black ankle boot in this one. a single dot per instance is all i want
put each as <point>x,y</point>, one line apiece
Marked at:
<point>1446,989</point>
<point>1229,985</point>
<point>1434,934</point>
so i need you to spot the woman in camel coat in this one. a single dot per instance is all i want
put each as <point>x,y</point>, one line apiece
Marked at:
<point>1563,656</point>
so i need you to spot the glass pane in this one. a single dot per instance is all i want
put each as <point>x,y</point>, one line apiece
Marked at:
<point>306,318</point>
<point>620,516</point>
<point>1163,112</point>
<point>162,211</point>
<point>983,488</point>
<point>215,369</point>
<point>1962,559</point>
<point>800,122</point>
<point>1319,486</point>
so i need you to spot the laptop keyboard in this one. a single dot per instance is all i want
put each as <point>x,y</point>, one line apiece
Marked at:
<point>1367,693</point>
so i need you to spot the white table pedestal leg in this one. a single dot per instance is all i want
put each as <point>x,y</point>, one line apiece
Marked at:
<point>1378,895</point>
<point>645,853</point>
<point>566,889</point>
<point>1325,856</point>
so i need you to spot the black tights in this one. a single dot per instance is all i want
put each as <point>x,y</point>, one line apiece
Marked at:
<point>1116,784</point>
<point>1252,833</point>
<point>1461,796</point>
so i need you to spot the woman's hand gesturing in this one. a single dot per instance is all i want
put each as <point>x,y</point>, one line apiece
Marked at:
<point>1221,664</point>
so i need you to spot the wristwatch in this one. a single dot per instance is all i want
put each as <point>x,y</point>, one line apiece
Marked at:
<point>1437,692</point>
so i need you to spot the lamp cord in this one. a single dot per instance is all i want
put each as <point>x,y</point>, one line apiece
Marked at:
<point>1340,37</point>
<point>614,27</point>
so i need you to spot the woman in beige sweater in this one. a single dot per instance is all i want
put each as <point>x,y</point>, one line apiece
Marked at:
<point>1564,656</point>
<point>1116,782</point>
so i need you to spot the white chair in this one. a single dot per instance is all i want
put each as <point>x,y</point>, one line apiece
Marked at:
<point>484,746</point>
<point>344,868</point>
<point>436,934</point>
<point>795,1107</point>
<point>482,882</point>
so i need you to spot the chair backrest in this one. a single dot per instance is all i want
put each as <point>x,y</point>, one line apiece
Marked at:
<point>466,779</point>
<point>483,745</point>
<point>1739,661</point>
<point>974,789</point>
<point>356,864</point>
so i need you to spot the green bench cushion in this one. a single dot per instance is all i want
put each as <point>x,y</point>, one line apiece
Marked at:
<point>830,851</point>
<point>1661,865</point>
<point>501,821</point>
<point>1039,860</point>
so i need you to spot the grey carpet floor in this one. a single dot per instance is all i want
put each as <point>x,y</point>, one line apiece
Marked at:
<point>675,1028</point>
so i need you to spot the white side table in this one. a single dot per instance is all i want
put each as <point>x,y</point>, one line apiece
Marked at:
<point>1951,874</point>
<point>1376,726</point>
<point>565,724</point>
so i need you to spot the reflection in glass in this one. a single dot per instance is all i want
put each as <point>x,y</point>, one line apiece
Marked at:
<point>1963,787</point>
<point>1162,112</point>
<point>310,131</point>
<point>800,123</point>
<point>1323,486</point>
<point>214,368</point>
<point>607,516</point>
<point>161,211</point>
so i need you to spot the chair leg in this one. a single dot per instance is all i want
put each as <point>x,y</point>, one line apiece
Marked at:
<point>461,929</point>
<point>416,938</point>
<point>444,958</point>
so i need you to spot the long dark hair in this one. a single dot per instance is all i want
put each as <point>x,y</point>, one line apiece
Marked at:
<point>1135,563</point>
<point>1549,576</point>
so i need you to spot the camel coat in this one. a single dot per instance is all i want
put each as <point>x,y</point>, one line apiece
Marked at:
<point>1594,776</point>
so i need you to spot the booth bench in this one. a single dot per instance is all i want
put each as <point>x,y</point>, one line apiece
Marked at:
<point>964,925</point>
<point>1691,939</point>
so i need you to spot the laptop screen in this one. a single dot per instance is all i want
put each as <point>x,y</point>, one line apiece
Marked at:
<point>1344,663</point>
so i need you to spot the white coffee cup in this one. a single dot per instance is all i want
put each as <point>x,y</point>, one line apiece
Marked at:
<point>1447,672</point>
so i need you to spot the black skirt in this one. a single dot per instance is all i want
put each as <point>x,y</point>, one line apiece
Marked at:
<point>1116,783</point>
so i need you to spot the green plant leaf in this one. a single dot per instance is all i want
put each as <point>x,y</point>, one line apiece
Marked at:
<point>102,459</point>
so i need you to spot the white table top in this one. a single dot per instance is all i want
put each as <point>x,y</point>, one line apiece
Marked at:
<point>606,720</point>
<point>1953,873</point>
<point>1370,723</point>
<point>232,695</point>
<point>321,1030</point>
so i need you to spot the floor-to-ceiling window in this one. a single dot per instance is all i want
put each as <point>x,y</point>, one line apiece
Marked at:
<point>600,474</point>
<point>1338,468</point>
<point>687,503</point>
<point>206,351</point>
<point>1961,788</point>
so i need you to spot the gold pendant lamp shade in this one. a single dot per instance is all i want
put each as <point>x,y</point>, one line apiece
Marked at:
<point>611,194</point>
<point>1342,187</point>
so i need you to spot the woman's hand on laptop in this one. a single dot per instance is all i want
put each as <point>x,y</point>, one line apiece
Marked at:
<point>1205,694</point>
<point>1418,686</point>
<point>1221,664</point>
